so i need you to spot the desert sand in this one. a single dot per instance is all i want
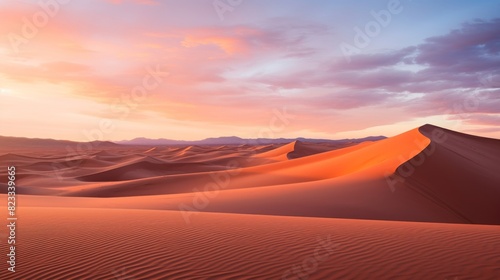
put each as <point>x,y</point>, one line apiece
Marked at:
<point>420,205</point>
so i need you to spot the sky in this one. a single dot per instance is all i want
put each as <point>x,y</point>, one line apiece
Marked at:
<point>192,69</point>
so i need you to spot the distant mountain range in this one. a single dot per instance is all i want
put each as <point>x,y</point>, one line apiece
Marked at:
<point>9,141</point>
<point>19,142</point>
<point>233,140</point>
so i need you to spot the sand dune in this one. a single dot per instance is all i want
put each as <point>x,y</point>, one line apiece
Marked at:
<point>225,246</point>
<point>303,149</point>
<point>352,182</point>
<point>459,172</point>
<point>278,154</point>
<point>322,166</point>
<point>146,167</point>
<point>298,149</point>
<point>268,205</point>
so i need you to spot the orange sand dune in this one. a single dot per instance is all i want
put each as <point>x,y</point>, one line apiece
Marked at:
<point>146,167</point>
<point>458,171</point>
<point>278,154</point>
<point>353,182</point>
<point>298,149</point>
<point>134,244</point>
<point>386,155</point>
<point>111,209</point>
<point>303,149</point>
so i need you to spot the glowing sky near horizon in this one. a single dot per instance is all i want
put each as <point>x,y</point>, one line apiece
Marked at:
<point>76,71</point>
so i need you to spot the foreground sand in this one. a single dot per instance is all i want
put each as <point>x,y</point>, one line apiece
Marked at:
<point>137,244</point>
<point>124,212</point>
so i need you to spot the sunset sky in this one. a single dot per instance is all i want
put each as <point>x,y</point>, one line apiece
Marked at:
<point>84,66</point>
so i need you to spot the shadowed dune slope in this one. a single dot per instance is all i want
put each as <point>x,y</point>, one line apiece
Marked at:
<point>299,149</point>
<point>458,171</point>
<point>303,149</point>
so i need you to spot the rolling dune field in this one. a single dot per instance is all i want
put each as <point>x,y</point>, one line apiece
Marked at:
<point>420,205</point>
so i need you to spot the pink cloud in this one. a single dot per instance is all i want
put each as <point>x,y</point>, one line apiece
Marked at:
<point>141,2</point>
